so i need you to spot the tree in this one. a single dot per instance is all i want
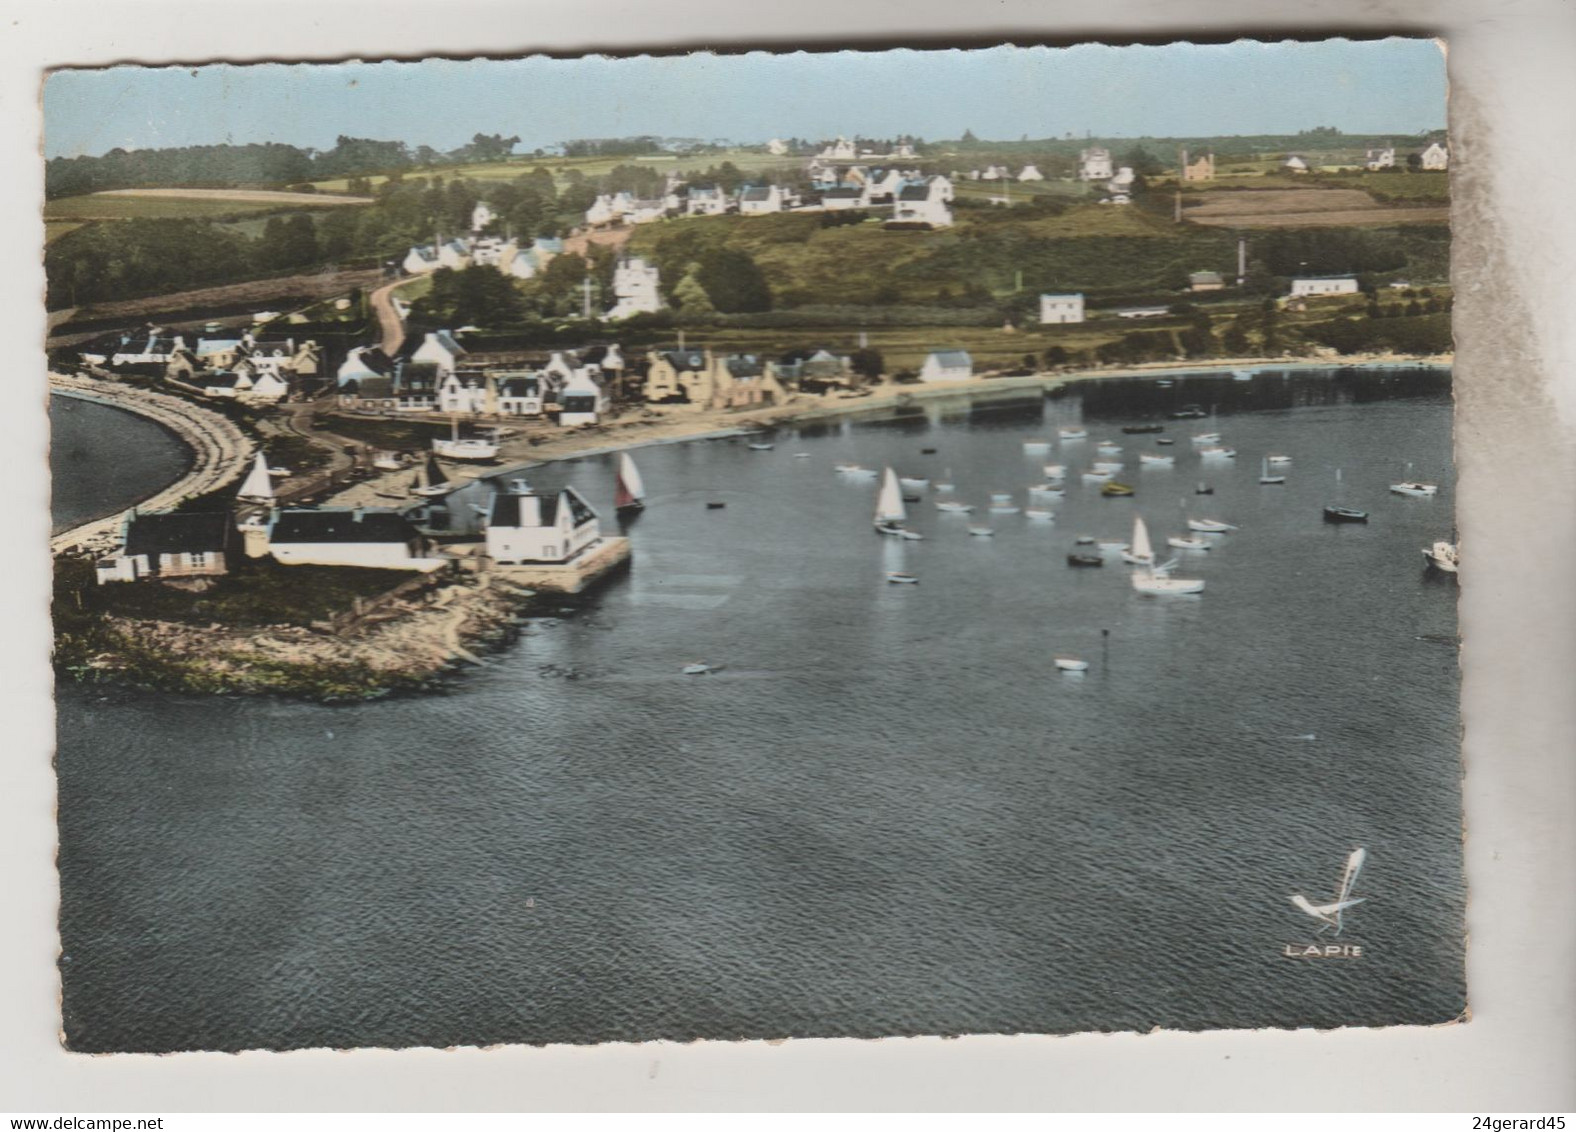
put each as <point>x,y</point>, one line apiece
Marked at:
<point>1235,339</point>
<point>1414,162</point>
<point>868,363</point>
<point>690,296</point>
<point>1142,162</point>
<point>475,296</point>
<point>733,281</point>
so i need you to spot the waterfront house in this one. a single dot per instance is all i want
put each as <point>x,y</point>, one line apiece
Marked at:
<point>818,371</point>
<point>363,362</point>
<point>1205,281</point>
<point>268,387</point>
<point>224,382</point>
<point>175,544</point>
<point>749,381</point>
<point>635,288</point>
<point>1312,286</point>
<point>441,349</point>
<point>151,349</point>
<point>524,394</point>
<point>947,365</point>
<point>582,400</point>
<point>343,536</point>
<point>1061,308</point>
<point>464,390</point>
<point>219,353</point>
<point>687,376</point>
<point>1094,164</point>
<point>527,526</point>
<point>1436,157</point>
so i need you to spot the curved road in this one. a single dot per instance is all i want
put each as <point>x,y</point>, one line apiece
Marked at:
<point>220,450</point>
<point>388,318</point>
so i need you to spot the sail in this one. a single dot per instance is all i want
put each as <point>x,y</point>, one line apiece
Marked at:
<point>1354,865</point>
<point>258,484</point>
<point>434,476</point>
<point>889,507</point>
<point>629,482</point>
<point>1141,545</point>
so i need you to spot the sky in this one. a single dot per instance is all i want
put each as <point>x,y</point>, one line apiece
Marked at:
<point>1176,90</point>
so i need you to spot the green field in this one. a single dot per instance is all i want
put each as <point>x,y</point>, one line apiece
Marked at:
<point>95,207</point>
<point>745,160</point>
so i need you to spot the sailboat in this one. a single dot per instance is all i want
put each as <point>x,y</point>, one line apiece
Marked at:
<point>471,448</point>
<point>1210,437</point>
<point>1187,542</point>
<point>1142,552</point>
<point>1335,513</point>
<point>1156,580</point>
<point>1412,487</point>
<point>259,485</point>
<point>432,479</point>
<point>946,483</point>
<point>1264,473</point>
<point>890,512</point>
<point>630,492</point>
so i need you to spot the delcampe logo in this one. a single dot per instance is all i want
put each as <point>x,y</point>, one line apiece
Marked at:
<point>1331,915</point>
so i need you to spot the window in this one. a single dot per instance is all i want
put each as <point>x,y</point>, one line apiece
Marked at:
<point>197,559</point>
<point>550,551</point>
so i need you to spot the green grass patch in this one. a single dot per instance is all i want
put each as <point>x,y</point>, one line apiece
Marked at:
<point>95,207</point>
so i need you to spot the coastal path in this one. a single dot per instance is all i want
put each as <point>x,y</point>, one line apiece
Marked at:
<point>220,450</point>
<point>388,318</point>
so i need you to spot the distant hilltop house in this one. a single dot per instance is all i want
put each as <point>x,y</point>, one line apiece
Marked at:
<point>995,173</point>
<point>1061,308</point>
<point>1202,169</point>
<point>1030,173</point>
<point>777,147</point>
<point>508,256</point>
<point>374,537</point>
<point>1436,156</point>
<point>1094,164</point>
<point>1205,281</point>
<point>947,365</point>
<point>923,204</point>
<point>840,150</point>
<point>175,544</point>
<point>1376,159</point>
<point>623,208</point>
<point>1311,286</point>
<point>1294,164</point>
<point>1121,181</point>
<point>635,289</point>
<point>705,200</point>
<point>524,526</point>
<point>481,216</point>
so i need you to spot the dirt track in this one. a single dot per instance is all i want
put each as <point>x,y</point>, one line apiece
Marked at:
<point>244,196</point>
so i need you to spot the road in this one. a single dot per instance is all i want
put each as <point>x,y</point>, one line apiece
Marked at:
<point>388,318</point>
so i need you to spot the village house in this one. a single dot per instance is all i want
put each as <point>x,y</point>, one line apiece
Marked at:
<point>527,526</point>
<point>820,370</point>
<point>947,365</point>
<point>465,390</point>
<point>481,216</point>
<point>1377,159</point>
<point>363,362</point>
<point>1142,312</point>
<point>840,150</point>
<point>1436,157</point>
<point>1030,173</point>
<point>524,394</point>
<point>441,349</point>
<point>602,213</point>
<point>755,200</point>
<point>583,399</point>
<point>636,288</point>
<point>749,381</point>
<point>282,358</point>
<point>840,197</point>
<point>777,147</point>
<point>1202,169</point>
<point>681,376</point>
<point>1324,285</point>
<point>883,187</point>
<point>373,537</point>
<point>268,386</point>
<point>154,349</point>
<point>407,387</point>
<point>1094,164</point>
<point>1294,164</point>
<point>1205,281</point>
<point>219,353</point>
<point>995,173</point>
<point>705,200</point>
<point>1121,181</point>
<point>1056,309</point>
<point>488,251</point>
<point>176,544</point>
<point>224,382</point>
<point>420,261</point>
<point>923,204</point>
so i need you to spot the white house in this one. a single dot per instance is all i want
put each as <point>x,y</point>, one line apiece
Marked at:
<point>524,526</point>
<point>1061,308</point>
<point>364,362</point>
<point>757,199</point>
<point>840,197</point>
<point>777,147</point>
<point>923,203</point>
<point>840,150</point>
<point>1294,164</point>
<point>176,544</point>
<point>1324,285</point>
<point>582,399</point>
<point>362,536</point>
<point>481,216</point>
<point>1436,156</point>
<point>463,391</point>
<point>1121,181</point>
<point>224,382</point>
<point>489,252</point>
<point>440,349</point>
<point>524,394</point>
<point>635,288</point>
<point>995,173</point>
<point>269,387</point>
<point>947,365</point>
<point>883,187</point>
<point>1094,164</point>
<point>705,200</point>
<point>1376,159</point>
<point>455,254</point>
<point>1030,173</point>
<point>155,349</point>
<point>419,261</point>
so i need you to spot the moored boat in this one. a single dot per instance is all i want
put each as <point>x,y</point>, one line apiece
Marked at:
<point>629,491</point>
<point>1070,664</point>
<point>1112,466</point>
<point>1334,514</point>
<point>890,512</point>
<point>1072,432</point>
<point>1187,543</point>
<point>1115,490</point>
<point>1093,476</point>
<point>1038,513</point>
<point>981,532</point>
<point>472,449</point>
<point>1138,429</point>
<point>1209,526</point>
<point>1411,487</point>
<point>898,578</point>
<point>1108,448</point>
<point>1444,556</point>
<point>1076,559</point>
<point>1155,460</point>
<point>1264,474</point>
<point>957,508</point>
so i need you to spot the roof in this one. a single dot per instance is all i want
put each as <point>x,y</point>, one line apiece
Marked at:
<point>1069,296</point>
<point>447,340</point>
<point>1205,276</point>
<point>913,190</point>
<point>417,377</point>
<point>844,192</point>
<point>360,525</point>
<point>513,509</point>
<point>370,386</point>
<point>520,386</point>
<point>221,380</point>
<point>756,192</point>
<point>177,532</point>
<point>217,345</point>
<point>952,359</point>
<point>685,359</point>
<point>372,358</point>
<point>744,365</point>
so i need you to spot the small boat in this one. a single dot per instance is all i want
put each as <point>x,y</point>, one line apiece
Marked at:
<point>1189,413</point>
<point>471,448</point>
<point>1038,513</point>
<point>1166,440</point>
<point>927,451</point>
<point>957,508</point>
<point>1209,526</point>
<point>1108,448</point>
<point>946,484</point>
<point>1054,471</point>
<point>1181,542</point>
<point>1003,509</point>
<point>432,479</point>
<point>1096,477</point>
<point>629,490</point>
<point>1001,497</point>
<point>847,469</point>
<point>1138,429</point>
<point>1411,487</point>
<point>1155,582</point>
<point>1165,383</point>
<point>280,473</point>
<point>1444,556</point>
<point>715,506</point>
<point>1073,433</point>
<point>1142,552</point>
<point>1116,490</point>
<point>1085,560</point>
<point>1084,540</point>
<point>910,499</point>
<point>1206,438</point>
<point>801,455</point>
<point>697,670</point>
<point>898,578</point>
<point>1036,445</point>
<point>890,512</point>
<point>1203,489</point>
<point>1111,544</point>
<point>981,532</point>
<point>912,536</point>
<point>1112,466</point>
<point>1153,460</point>
<point>758,447</point>
<point>1217,452</point>
<point>913,483</point>
<point>1344,515</point>
<point>1048,489</point>
<point>1071,664</point>
<point>388,461</point>
<point>1264,474</point>
<point>1241,375</point>
<point>1274,459</point>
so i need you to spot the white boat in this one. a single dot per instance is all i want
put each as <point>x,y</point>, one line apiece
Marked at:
<point>912,536</point>
<point>470,448</point>
<point>388,462</point>
<point>1206,438</point>
<point>890,512</point>
<point>1156,581</point>
<point>846,469</point>
<point>1071,664</point>
<point>1052,489</point>
<point>259,485</point>
<point>1036,445</point>
<point>280,473</point>
<point>1038,513</point>
<point>1142,552</point>
<point>1149,460</point>
<point>898,578</point>
<point>1264,474</point>
<point>1181,542</point>
<point>801,455</point>
<point>1003,509</point>
<point>1209,526</point>
<point>1165,383</point>
<point>1072,432</point>
<point>1241,375</point>
<point>947,484</point>
<point>1273,459</point>
<point>757,446</point>
<point>1096,477</point>
<point>1055,471</point>
<point>981,532</point>
<point>956,508</point>
<point>1217,452</point>
<point>1444,556</point>
<point>1112,466</point>
<point>629,490</point>
<point>1412,487</point>
<point>914,483</point>
<point>432,481</point>
<point>1108,448</point>
<point>696,670</point>
<point>1001,497</point>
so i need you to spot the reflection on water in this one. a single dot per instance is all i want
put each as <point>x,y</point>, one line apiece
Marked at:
<point>888,813</point>
<point>103,460</point>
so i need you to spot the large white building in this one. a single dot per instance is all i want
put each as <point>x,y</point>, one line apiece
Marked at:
<point>361,536</point>
<point>1376,159</point>
<point>1324,285</point>
<point>524,526</point>
<point>635,289</point>
<point>1094,164</point>
<point>924,202</point>
<point>1061,308</point>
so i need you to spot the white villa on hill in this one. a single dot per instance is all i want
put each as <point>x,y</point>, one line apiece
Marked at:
<point>757,199</point>
<point>635,289</point>
<point>923,203</point>
<point>1061,308</point>
<point>777,147</point>
<point>840,150</point>
<point>705,200</point>
<point>1376,159</point>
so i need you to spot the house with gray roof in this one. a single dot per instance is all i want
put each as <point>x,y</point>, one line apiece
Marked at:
<point>947,365</point>
<point>172,544</point>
